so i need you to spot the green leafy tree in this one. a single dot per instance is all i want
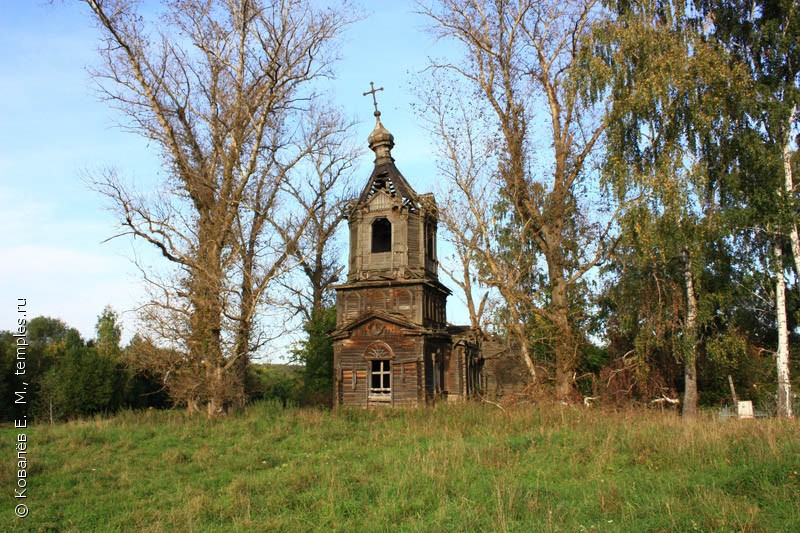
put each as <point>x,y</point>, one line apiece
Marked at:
<point>109,334</point>
<point>761,36</point>
<point>315,352</point>
<point>81,383</point>
<point>49,339</point>
<point>145,386</point>
<point>8,379</point>
<point>671,88</point>
<point>81,379</point>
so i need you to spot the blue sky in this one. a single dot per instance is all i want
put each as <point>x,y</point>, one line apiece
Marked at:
<point>54,129</point>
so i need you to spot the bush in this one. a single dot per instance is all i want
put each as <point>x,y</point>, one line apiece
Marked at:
<point>279,383</point>
<point>315,353</point>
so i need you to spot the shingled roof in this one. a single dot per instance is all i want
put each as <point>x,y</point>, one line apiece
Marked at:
<point>385,176</point>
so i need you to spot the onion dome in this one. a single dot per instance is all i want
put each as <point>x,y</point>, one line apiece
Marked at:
<point>381,141</point>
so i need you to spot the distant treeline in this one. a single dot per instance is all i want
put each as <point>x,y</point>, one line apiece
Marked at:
<point>69,377</point>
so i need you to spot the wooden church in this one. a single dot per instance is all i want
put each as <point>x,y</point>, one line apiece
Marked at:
<point>392,345</point>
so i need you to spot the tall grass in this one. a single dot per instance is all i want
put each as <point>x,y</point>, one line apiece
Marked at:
<point>451,468</point>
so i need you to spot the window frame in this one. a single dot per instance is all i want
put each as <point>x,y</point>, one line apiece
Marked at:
<point>383,372</point>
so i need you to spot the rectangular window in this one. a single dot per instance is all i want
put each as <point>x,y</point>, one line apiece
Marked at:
<point>380,380</point>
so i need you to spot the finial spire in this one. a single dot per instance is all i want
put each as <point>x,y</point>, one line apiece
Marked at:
<point>380,140</point>
<point>374,100</point>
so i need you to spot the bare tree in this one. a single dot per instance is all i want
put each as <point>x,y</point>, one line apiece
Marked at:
<point>215,85</point>
<point>464,161</point>
<point>525,66</point>
<point>301,213</point>
<point>322,192</point>
<point>464,275</point>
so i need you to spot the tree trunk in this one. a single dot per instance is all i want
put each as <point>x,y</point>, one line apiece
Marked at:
<point>239,372</point>
<point>782,355</point>
<point>191,406</point>
<point>566,354</point>
<point>475,311</point>
<point>565,346</point>
<point>690,334</point>
<point>241,347</point>
<point>205,347</point>
<point>788,190</point>
<point>217,390</point>
<point>520,332</point>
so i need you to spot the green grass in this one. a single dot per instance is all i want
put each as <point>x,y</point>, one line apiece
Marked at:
<point>451,468</point>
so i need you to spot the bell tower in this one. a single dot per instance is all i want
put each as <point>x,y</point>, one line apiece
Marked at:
<point>393,239</point>
<point>391,327</point>
<point>392,228</point>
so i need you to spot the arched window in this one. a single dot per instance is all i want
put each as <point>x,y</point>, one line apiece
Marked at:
<point>378,355</point>
<point>381,236</point>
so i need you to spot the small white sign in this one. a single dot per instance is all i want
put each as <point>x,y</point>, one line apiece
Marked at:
<point>744,409</point>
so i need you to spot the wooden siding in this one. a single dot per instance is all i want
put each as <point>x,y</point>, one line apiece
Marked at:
<point>405,383</point>
<point>352,356</point>
<point>401,282</point>
<point>354,264</point>
<point>380,202</point>
<point>434,308</point>
<point>408,249</point>
<point>401,300</point>
<point>414,242</point>
<point>431,264</point>
<point>404,302</point>
<point>351,307</point>
<point>453,384</point>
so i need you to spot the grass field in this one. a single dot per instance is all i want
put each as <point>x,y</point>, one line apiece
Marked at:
<point>450,468</point>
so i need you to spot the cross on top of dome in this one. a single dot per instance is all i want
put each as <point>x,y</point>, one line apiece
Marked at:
<point>373,91</point>
<point>380,140</point>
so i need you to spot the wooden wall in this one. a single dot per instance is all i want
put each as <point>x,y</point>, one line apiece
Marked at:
<point>352,359</point>
<point>404,300</point>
